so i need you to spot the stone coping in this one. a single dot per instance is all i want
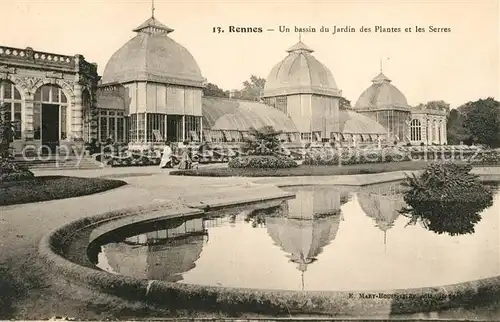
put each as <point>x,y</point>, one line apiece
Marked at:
<point>241,300</point>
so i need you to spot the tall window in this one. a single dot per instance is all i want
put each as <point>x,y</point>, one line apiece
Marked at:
<point>306,136</point>
<point>192,127</point>
<point>281,104</point>
<point>111,124</point>
<point>415,130</point>
<point>12,99</point>
<point>50,94</point>
<point>156,124</point>
<point>120,128</point>
<point>103,126</point>
<point>133,128</point>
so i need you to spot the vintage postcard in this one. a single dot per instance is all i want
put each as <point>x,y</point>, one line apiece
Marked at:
<point>249,160</point>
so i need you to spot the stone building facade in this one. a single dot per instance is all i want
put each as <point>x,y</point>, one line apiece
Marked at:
<point>428,125</point>
<point>51,97</point>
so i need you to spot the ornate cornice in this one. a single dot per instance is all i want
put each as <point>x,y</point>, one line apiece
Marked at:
<point>148,77</point>
<point>284,91</point>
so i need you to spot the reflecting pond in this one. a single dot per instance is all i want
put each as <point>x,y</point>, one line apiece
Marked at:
<point>327,238</point>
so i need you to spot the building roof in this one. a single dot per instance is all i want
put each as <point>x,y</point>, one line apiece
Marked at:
<point>381,95</point>
<point>382,202</point>
<point>153,56</point>
<point>229,114</point>
<point>302,240</point>
<point>353,122</point>
<point>300,73</point>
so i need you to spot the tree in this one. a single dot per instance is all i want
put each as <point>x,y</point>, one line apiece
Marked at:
<point>253,88</point>
<point>214,91</point>
<point>482,121</point>
<point>438,105</point>
<point>9,170</point>
<point>344,103</point>
<point>456,132</point>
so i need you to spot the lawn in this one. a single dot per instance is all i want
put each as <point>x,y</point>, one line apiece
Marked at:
<point>306,170</point>
<point>47,188</point>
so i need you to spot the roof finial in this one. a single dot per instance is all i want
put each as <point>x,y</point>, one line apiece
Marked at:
<point>300,36</point>
<point>380,64</point>
<point>153,9</point>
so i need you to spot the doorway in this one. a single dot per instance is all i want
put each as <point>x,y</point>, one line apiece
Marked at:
<point>174,128</point>
<point>50,128</point>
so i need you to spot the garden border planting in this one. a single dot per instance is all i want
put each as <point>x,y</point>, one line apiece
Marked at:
<point>47,188</point>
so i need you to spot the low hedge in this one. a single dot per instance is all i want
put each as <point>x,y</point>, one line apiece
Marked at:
<point>133,161</point>
<point>262,162</point>
<point>363,156</point>
<point>489,158</point>
<point>53,187</point>
<point>304,170</point>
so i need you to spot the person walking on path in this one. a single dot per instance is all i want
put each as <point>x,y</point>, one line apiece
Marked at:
<point>166,158</point>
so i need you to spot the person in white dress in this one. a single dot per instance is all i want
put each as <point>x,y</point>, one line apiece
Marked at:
<point>166,158</point>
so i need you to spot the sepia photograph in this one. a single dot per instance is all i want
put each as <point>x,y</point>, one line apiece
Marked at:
<point>250,160</point>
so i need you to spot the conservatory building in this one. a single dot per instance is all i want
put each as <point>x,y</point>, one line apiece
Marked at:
<point>152,91</point>
<point>386,104</point>
<point>155,86</point>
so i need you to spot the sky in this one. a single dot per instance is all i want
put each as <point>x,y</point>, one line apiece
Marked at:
<point>457,66</point>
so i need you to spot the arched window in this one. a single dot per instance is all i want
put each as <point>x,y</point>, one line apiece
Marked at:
<point>415,130</point>
<point>50,114</point>
<point>12,99</point>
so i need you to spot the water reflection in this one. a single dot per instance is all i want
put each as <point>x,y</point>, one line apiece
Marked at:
<point>327,238</point>
<point>383,204</point>
<point>302,240</point>
<point>162,254</point>
<point>447,199</point>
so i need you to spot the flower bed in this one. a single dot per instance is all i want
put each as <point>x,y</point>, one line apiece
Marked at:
<point>128,158</point>
<point>262,162</point>
<point>488,158</point>
<point>133,161</point>
<point>399,154</point>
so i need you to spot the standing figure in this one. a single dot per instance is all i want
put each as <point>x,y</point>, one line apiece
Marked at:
<point>186,162</point>
<point>166,158</point>
<point>379,142</point>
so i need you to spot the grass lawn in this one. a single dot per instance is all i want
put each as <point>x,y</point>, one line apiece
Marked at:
<point>307,170</point>
<point>46,188</point>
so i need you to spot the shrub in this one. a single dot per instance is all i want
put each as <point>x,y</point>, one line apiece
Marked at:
<point>10,171</point>
<point>446,198</point>
<point>262,162</point>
